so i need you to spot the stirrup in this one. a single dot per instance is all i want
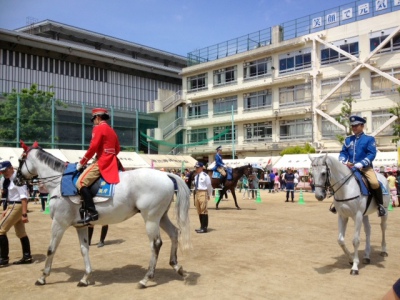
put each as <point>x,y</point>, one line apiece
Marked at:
<point>90,217</point>
<point>381,211</point>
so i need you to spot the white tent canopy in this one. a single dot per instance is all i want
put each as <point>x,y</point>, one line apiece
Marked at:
<point>264,162</point>
<point>386,159</point>
<point>10,154</point>
<point>298,161</point>
<point>169,161</point>
<point>235,163</point>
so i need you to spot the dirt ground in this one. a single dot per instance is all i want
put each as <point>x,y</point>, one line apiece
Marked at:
<point>267,250</point>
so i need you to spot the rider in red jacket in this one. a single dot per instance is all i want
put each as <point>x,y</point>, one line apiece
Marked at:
<point>106,146</point>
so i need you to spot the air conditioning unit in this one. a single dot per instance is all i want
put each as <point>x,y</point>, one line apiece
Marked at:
<point>323,107</point>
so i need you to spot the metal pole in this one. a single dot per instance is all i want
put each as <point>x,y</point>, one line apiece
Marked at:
<point>83,126</point>
<point>52,122</point>
<point>137,132</point>
<point>112,116</point>
<point>18,119</point>
<point>233,136</point>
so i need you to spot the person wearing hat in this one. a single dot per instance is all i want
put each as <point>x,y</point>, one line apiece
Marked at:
<point>220,166</point>
<point>289,180</point>
<point>106,146</point>
<point>15,215</point>
<point>202,193</point>
<point>359,151</point>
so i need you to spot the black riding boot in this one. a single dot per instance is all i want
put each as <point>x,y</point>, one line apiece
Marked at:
<point>104,230</point>
<point>3,251</point>
<point>91,212</point>
<point>201,224</point>
<point>90,234</point>
<point>222,181</point>
<point>26,252</point>
<point>379,201</point>
<point>204,224</point>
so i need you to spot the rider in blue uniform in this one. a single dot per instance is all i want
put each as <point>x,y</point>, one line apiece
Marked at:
<point>220,166</point>
<point>359,150</point>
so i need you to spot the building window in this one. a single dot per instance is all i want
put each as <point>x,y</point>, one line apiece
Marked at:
<point>296,95</point>
<point>329,55</point>
<point>258,132</point>
<point>295,129</point>
<point>196,83</point>
<point>295,61</point>
<point>197,135</point>
<point>349,88</point>
<point>257,100</point>
<point>330,130</point>
<point>377,38</point>
<point>379,118</point>
<point>224,105</point>
<point>198,110</point>
<point>257,68</point>
<point>225,138</point>
<point>225,76</point>
<point>381,85</point>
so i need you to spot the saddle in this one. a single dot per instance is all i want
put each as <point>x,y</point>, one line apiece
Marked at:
<point>217,174</point>
<point>100,189</point>
<point>364,184</point>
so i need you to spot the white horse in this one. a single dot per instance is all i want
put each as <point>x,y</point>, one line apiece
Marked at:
<point>331,174</point>
<point>145,191</point>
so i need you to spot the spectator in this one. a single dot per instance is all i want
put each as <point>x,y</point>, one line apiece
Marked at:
<point>245,187</point>
<point>255,183</point>
<point>277,184</point>
<point>104,230</point>
<point>296,180</point>
<point>43,193</point>
<point>271,181</point>
<point>267,180</point>
<point>392,187</point>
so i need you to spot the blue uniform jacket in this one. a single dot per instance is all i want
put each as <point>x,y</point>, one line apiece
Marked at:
<point>361,148</point>
<point>218,162</point>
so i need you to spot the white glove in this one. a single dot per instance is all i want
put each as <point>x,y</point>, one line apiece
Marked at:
<point>358,165</point>
<point>343,161</point>
<point>79,167</point>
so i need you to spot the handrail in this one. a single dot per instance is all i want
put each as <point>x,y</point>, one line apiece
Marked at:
<point>171,127</point>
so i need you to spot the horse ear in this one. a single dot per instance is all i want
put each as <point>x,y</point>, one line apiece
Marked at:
<point>25,147</point>
<point>324,159</point>
<point>35,144</point>
<point>309,156</point>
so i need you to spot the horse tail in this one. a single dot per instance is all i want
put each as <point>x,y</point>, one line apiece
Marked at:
<point>182,206</point>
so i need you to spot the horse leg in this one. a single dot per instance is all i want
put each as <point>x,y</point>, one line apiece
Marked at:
<point>172,232</point>
<point>342,225</point>
<point>84,243</point>
<point>153,232</point>
<point>356,242</point>
<point>234,198</point>
<point>367,230</point>
<point>57,232</point>
<point>220,197</point>
<point>383,229</point>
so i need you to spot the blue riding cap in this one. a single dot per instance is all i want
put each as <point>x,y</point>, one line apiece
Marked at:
<point>219,148</point>
<point>355,120</point>
<point>4,165</point>
<point>199,165</point>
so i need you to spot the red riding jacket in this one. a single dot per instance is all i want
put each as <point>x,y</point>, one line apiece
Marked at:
<point>106,146</point>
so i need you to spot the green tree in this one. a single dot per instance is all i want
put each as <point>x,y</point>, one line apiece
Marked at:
<point>343,118</point>
<point>396,126</point>
<point>35,116</point>
<point>307,148</point>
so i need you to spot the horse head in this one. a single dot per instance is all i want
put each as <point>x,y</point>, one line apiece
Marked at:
<point>26,170</point>
<point>320,172</point>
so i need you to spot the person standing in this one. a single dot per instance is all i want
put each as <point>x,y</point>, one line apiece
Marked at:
<point>104,230</point>
<point>271,181</point>
<point>4,183</point>
<point>392,187</point>
<point>106,146</point>
<point>220,166</point>
<point>359,151</point>
<point>15,215</point>
<point>245,182</point>
<point>203,191</point>
<point>290,185</point>
<point>43,193</point>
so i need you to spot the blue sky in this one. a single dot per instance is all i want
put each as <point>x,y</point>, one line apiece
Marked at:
<point>170,25</point>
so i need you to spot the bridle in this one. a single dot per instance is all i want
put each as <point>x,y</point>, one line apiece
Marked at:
<point>329,186</point>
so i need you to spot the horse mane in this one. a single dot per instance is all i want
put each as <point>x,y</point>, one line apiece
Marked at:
<point>50,160</point>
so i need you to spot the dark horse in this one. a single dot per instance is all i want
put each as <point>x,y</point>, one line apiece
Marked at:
<point>237,173</point>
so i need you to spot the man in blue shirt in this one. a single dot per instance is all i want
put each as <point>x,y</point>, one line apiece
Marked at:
<point>220,166</point>
<point>359,150</point>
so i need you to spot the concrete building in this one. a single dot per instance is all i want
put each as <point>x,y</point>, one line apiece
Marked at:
<point>286,84</point>
<point>86,70</point>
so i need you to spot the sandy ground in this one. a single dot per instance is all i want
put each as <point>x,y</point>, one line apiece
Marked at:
<point>267,250</point>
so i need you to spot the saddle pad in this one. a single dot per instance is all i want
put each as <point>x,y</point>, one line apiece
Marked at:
<point>229,174</point>
<point>363,188</point>
<point>70,177</point>
<point>216,174</point>
<point>68,180</point>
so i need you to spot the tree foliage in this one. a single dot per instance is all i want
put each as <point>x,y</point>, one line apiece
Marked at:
<point>343,118</point>
<point>307,148</point>
<point>396,125</point>
<point>35,115</point>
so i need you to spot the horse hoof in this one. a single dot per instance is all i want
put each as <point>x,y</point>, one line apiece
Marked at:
<point>384,254</point>
<point>180,271</point>
<point>141,286</point>
<point>40,282</point>
<point>354,272</point>
<point>83,283</point>
<point>238,208</point>
<point>216,208</point>
<point>366,261</point>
